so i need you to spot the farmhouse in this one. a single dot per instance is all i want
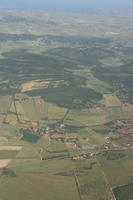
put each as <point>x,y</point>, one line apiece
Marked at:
<point>58,137</point>
<point>78,158</point>
<point>107,140</point>
<point>62,126</point>
<point>88,147</point>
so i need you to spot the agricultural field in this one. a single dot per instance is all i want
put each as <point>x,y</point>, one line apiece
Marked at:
<point>114,163</point>
<point>123,192</point>
<point>111,101</point>
<point>66,106</point>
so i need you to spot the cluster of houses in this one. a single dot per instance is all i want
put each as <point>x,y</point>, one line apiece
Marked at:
<point>107,142</point>
<point>126,130</point>
<point>33,127</point>
<point>29,126</point>
<point>58,135</point>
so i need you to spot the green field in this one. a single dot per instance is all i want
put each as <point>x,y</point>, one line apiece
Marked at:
<point>29,137</point>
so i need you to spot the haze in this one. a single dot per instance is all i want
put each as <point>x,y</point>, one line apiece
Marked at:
<point>65,4</point>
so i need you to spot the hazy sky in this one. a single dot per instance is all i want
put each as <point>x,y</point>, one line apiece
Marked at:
<point>65,4</point>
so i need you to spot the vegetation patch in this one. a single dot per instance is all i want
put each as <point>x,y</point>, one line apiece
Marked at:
<point>29,137</point>
<point>9,173</point>
<point>124,192</point>
<point>113,155</point>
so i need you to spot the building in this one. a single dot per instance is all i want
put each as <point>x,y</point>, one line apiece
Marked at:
<point>58,137</point>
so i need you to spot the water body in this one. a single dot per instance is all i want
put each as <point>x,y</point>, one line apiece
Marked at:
<point>65,4</point>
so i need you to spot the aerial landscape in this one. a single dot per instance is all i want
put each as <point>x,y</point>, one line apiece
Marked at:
<point>66,104</point>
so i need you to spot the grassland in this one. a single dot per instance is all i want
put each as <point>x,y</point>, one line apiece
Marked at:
<point>7,154</point>
<point>85,118</point>
<point>41,185</point>
<point>96,187</point>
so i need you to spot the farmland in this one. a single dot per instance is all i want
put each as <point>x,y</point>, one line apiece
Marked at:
<point>66,106</point>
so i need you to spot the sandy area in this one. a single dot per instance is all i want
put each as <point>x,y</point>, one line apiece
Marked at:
<point>38,84</point>
<point>12,148</point>
<point>3,139</point>
<point>4,163</point>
